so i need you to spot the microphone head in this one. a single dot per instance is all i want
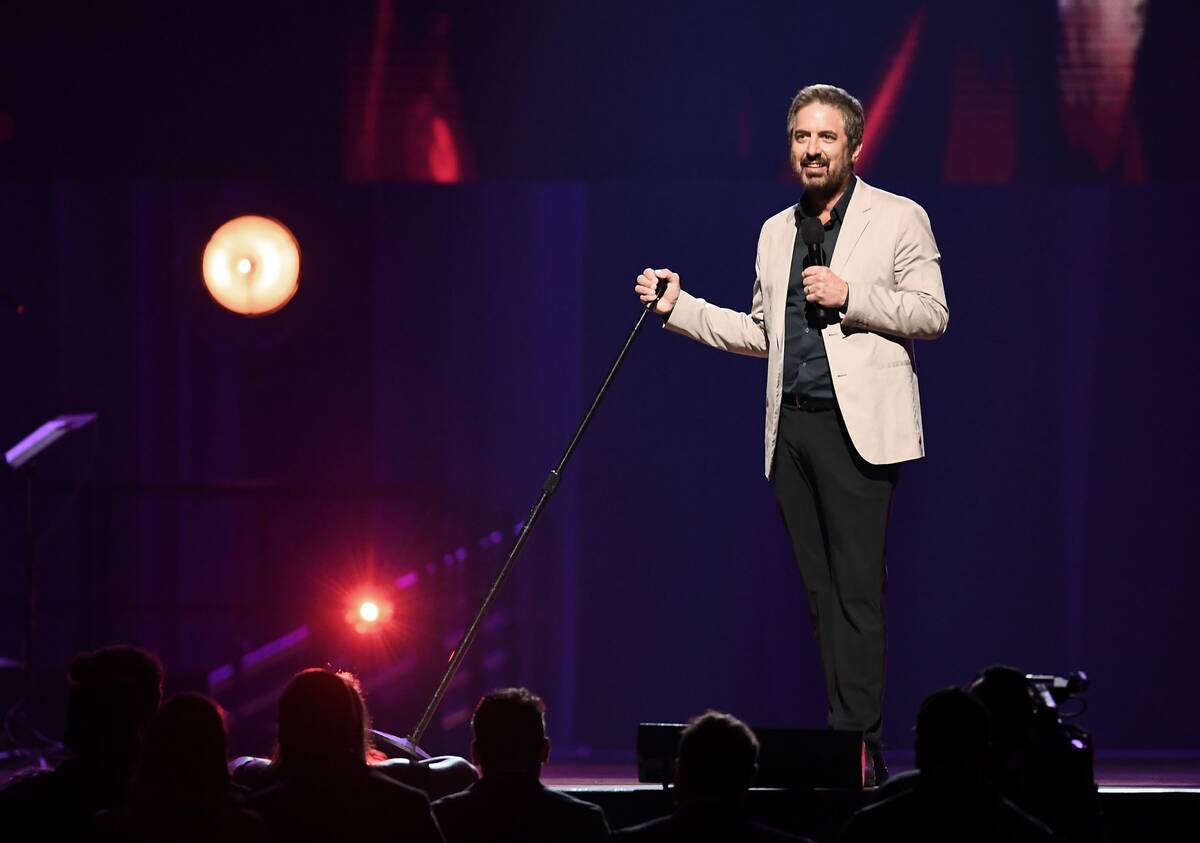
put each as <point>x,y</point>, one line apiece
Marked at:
<point>811,231</point>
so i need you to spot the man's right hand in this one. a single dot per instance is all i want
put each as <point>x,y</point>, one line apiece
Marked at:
<point>647,285</point>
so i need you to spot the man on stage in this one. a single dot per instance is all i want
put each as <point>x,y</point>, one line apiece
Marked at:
<point>842,403</point>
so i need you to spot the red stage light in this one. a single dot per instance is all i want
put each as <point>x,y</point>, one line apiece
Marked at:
<point>369,613</point>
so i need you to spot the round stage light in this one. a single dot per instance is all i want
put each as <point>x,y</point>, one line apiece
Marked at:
<point>368,611</point>
<point>252,265</point>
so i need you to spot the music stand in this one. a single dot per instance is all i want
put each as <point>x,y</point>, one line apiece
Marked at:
<point>23,457</point>
<point>28,448</point>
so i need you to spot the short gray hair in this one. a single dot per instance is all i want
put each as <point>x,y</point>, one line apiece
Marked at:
<point>851,108</point>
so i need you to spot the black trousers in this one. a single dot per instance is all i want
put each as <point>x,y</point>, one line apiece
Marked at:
<point>835,506</point>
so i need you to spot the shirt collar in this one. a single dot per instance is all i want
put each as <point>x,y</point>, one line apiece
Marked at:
<point>839,210</point>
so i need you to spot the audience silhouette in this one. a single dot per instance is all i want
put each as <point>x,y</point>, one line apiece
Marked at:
<point>114,692</point>
<point>717,763</point>
<point>993,764</point>
<point>324,789</point>
<point>510,803</point>
<point>951,797</point>
<point>436,777</point>
<point>182,790</point>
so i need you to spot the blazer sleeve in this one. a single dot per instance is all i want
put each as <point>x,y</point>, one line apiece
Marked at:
<point>914,306</point>
<point>721,327</point>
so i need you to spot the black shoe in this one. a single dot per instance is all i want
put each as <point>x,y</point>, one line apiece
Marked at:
<point>877,771</point>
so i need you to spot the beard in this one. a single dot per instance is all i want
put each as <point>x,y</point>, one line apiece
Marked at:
<point>824,183</point>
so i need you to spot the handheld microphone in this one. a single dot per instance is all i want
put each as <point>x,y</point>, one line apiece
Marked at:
<point>813,235</point>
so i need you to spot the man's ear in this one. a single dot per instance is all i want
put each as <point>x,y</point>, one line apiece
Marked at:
<point>544,751</point>
<point>854,155</point>
<point>475,753</point>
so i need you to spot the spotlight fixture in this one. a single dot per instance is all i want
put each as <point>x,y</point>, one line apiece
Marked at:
<point>252,265</point>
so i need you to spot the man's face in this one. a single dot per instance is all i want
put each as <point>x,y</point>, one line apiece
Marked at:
<point>821,156</point>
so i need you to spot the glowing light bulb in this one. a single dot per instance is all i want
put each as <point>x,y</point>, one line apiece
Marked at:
<point>252,265</point>
<point>369,611</point>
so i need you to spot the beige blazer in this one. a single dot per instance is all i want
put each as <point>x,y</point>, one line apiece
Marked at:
<point>886,253</point>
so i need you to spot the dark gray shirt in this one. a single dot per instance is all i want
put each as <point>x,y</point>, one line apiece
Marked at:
<point>805,369</point>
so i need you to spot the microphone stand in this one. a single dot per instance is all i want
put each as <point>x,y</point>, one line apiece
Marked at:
<point>409,745</point>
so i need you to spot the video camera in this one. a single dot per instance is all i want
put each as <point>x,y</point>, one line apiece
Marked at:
<point>1063,747</point>
<point>1052,691</point>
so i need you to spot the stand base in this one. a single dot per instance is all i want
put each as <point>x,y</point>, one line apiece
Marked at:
<point>395,747</point>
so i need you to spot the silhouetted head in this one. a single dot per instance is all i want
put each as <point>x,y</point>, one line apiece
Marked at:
<point>184,756</point>
<point>952,737</point>
<point>509,730</point>
<point>718,758</point>
<point>320,723</point>
<point>114,691</point>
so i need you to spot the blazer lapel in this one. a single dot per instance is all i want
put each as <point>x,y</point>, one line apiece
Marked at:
<point>781,259</point>
<point>858,215</point>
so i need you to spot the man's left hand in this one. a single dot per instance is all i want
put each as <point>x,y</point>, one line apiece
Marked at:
<point>823,288</point>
